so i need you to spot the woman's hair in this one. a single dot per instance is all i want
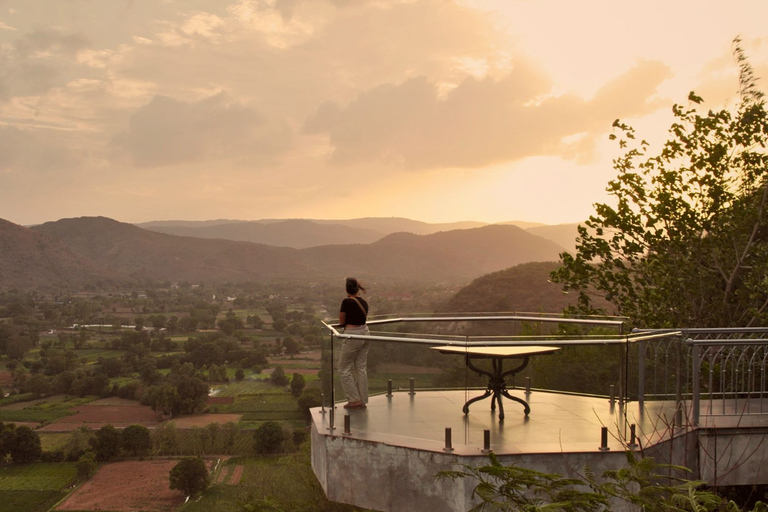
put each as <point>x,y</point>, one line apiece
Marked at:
<point>353,286</point>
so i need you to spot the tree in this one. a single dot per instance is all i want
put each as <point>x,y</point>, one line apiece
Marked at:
<point>291,346</point>
<point>310,397</point>
<point>278,377</point>
<point>686,242</point>
<point>189,476</point>
<point>86,465</point>
<point>239,374</point>
<point>268,438</point>
<point>136,440</point>
<point>297,384</point>
<point>106,443</point>
<point>26,446</point>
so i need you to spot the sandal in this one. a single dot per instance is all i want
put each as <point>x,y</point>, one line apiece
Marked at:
<point>354,405</point>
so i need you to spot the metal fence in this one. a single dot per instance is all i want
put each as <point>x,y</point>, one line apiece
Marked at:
<point>707,372</point>
<point>719,372</point>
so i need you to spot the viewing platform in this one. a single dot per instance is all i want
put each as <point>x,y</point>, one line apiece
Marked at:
<point>387,456</point>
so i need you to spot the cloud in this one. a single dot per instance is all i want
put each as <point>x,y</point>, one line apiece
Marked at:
<point>481,121</point>
<point>23,151</point>
<point>38,61</point>
<point>168,132</point>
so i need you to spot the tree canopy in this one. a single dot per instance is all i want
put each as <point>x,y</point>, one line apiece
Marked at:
<point>686,241</point>
<point>189,476</point>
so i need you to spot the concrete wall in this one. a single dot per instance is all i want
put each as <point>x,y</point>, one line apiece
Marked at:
<point>733,456</point>
<point>388,478</point>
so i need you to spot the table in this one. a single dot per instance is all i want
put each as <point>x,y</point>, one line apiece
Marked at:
<point>497,384</point>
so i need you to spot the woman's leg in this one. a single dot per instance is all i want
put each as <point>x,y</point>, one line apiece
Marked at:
<point>361,371</point>
<point>347,370</point>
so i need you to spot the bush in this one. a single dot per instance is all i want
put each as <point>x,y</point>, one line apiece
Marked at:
<point>268,438</point>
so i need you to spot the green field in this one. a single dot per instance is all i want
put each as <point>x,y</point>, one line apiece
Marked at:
<point>52,408</point>
<point>270,483</point>
<point>34,487</point>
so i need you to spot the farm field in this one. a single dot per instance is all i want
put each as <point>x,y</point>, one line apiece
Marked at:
<point>34,487</point>
<point>44,410</point>
<point>126,487</point>
<point>118,412</point>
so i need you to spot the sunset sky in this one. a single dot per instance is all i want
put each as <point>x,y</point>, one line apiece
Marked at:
<point>436,110</point>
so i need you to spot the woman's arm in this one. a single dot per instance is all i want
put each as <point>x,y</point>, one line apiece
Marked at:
<point>342,318</point>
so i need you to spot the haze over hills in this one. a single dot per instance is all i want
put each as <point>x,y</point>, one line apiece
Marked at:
<point>131,253</point>
<point>303,233</point>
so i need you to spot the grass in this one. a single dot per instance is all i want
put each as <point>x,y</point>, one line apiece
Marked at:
<point>37,477</point>
<point>54,407</point>
<point>29,501</point>
<point>34,487</point>
<point>273,483</point>
<point>54,441</point>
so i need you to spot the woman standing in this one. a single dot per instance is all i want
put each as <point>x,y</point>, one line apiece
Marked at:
<point>354,353</point>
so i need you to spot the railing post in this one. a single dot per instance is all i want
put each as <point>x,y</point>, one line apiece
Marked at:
<point>633,437</point>
<point>678,384</point>
<point>389,388</point>
<point>412,386</point>
<point>486,441</point>
<point>604,439</point>
<point>641,375</point>
<point>448,441</point>
<point>332,415</point>
<point>696,375</point>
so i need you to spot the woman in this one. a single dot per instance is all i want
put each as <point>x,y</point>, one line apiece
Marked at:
<point>354,352</point>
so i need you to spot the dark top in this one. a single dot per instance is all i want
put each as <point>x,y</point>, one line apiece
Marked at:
<point>354,315</point>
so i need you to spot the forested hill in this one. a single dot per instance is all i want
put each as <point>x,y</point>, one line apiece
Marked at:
<point>31,260</point>
<point>131,253</point>
<point>523,288</point>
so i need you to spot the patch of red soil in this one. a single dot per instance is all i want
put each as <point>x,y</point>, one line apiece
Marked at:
<point>215,400</point>
<point>222,474</point>
<point>117,412</point>
<point>237,475</point>
<point>127,487</point>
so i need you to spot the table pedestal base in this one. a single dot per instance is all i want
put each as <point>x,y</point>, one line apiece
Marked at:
<point>497,386</point>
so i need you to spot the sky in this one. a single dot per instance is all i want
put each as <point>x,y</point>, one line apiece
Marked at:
<point>435,110</point>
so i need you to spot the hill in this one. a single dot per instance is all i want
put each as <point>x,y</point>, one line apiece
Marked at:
<point>298,234</point>
<point>85,246</point>
<point>449,256</point>
<point>562,234</point>
<point>523,288</point>
<point>140,253</point>
<point>303,233</point>
<point>33,260</point>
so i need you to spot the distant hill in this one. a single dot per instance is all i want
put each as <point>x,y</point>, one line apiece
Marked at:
<point>562,234</point>
<point>298,234</point>
<point>85,246</point>
<point>451,256</point>
<point>140,253</point>
<point>302,233</point>
<point>34,260</point>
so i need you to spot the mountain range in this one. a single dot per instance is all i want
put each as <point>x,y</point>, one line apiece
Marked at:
<point>303,233</point>
<point>96,250</point>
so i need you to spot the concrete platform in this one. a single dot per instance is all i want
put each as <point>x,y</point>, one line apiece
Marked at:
<point>397,445</point>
